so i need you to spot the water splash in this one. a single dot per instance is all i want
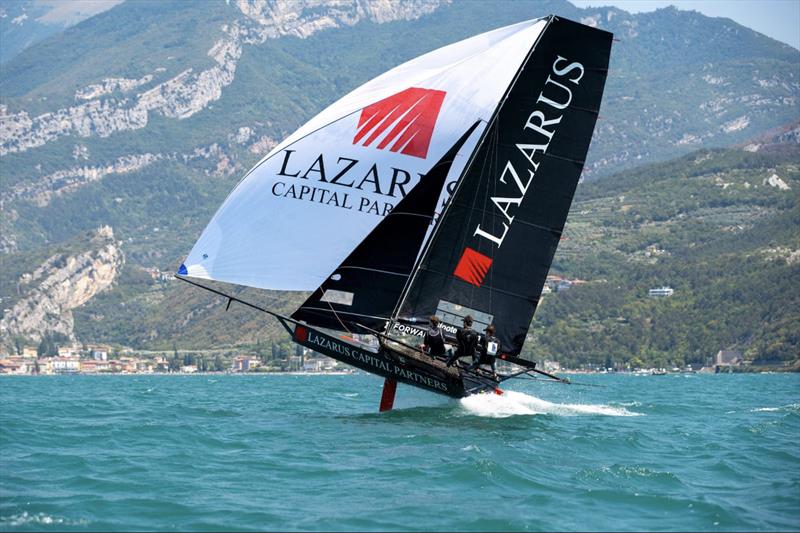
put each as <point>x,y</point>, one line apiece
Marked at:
<point>794,407</point>
<point>512,403</point>
<point>25,518</point>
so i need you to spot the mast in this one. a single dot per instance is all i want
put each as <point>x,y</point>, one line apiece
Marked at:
<point>492,248</point>
<point>460,182</point>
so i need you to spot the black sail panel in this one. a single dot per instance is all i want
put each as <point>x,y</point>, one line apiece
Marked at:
<point>493,247</point>
<point>366,287</point>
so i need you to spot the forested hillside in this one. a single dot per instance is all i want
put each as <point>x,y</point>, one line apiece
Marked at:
<point>720,227</point>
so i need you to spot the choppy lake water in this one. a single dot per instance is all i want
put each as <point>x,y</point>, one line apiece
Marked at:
<point>210,452</point>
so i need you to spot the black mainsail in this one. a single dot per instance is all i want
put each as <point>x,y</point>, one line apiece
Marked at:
<point>494,245</point>
<point>494,130</point>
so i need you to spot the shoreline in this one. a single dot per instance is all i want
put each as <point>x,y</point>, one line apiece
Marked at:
<point>351,373</point>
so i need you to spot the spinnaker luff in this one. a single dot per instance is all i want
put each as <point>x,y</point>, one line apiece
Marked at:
<point>440,187</point>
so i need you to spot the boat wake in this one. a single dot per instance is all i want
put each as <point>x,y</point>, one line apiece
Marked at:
<point>512,403</point>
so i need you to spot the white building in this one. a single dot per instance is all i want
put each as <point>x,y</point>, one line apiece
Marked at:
<point>69,351</point>
<point>65,365</point>
<point>661,292</point>
<point>99,352</point>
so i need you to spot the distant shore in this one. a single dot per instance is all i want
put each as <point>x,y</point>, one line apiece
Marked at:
<point>704,371</point>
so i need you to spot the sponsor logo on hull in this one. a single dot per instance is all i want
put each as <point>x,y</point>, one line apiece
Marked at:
<point>362,359</point>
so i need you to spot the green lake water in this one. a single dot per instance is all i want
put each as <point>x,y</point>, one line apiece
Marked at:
<point>281,452</point>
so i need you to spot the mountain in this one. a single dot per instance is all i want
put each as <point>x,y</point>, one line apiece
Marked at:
<point>720,227</point>
<point>26,22</point>
<point>144,117</point>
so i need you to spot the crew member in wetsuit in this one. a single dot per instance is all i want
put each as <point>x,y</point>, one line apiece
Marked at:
<point>433,343</point>
<point>466,342</point>
<point>489,346</point>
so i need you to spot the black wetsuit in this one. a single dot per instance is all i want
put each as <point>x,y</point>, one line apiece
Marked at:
<point>467,343</point>
<point>434,342</point>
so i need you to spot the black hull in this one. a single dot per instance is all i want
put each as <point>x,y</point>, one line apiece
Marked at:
<point>397,362</point>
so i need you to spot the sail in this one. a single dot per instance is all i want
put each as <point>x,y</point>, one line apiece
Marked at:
<point>365,288</point>
<point>298,214</point>
<point>490,253</point>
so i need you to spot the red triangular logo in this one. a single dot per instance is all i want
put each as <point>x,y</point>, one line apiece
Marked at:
<point>404,121</point>
<point>472,267</point>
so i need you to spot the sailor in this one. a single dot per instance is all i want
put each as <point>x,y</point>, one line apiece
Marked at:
<point>489,346</point>
<point>466,342</point>
<point>434,340</point>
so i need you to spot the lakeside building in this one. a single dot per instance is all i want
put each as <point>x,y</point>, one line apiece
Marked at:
<point>555,283</point>
<point>661,292</point>
<point>69,351</point>
<point>16,364</point>
<point>551,366</point>
<point>728,358</point>
<point>320,364</point>
<point>99,352</point>
<point>160,364</point>
<point>93,366</point>
<point>64,365</point>
<point>30,351</point>
<point>245,363</point>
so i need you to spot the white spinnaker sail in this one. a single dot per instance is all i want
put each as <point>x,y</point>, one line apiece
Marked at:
<point>301,210</point>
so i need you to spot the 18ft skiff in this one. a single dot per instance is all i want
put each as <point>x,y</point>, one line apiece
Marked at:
<point>439,188</point>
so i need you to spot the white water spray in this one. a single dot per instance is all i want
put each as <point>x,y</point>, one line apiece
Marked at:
<point>512,403</point>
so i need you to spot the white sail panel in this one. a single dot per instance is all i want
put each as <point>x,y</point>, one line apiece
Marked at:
<point>293,218</point>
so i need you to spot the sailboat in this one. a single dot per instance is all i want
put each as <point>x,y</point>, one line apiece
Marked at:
<point>441,187</point>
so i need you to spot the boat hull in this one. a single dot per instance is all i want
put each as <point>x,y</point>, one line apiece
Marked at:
<point>394,362</point>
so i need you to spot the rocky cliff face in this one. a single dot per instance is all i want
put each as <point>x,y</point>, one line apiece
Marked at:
<point>59,285</point>
<point>110,106</point>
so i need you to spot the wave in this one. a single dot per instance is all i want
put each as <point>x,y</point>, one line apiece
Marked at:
<point>25,518</point>
<point>790,408</point>
<point>512,403</point>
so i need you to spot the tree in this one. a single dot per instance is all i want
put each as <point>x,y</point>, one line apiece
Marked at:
<point>636,362</point>
<point>19,343</point>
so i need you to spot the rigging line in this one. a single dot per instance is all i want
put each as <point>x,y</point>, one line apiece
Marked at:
<point>337,316</point>
<point>368,269</point>
<point>540,380</point>
<point>236,299</point>
<point>380,335</point>
<point>324,310</point>
<point>495,114</point>
<point>485,203</point>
